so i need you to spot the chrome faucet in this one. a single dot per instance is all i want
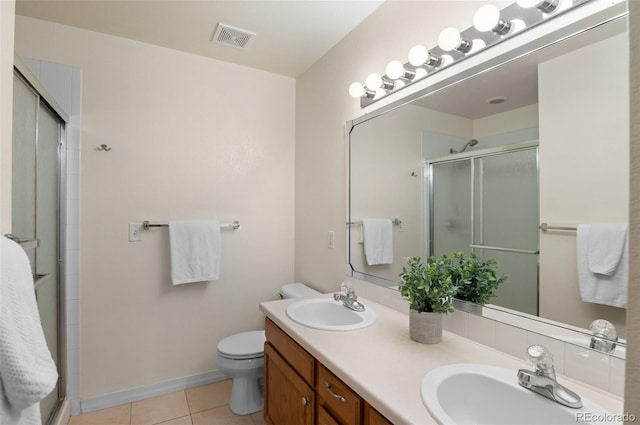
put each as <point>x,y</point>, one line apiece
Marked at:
<point>543,379</point>
<point>348,297</point>
<point>604,336</point>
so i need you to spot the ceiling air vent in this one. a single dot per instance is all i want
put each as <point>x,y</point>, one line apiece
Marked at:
<point>232,36</point>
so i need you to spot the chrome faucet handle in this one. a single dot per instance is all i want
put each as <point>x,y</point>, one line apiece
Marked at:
<point>604,336</point>
<point>347,290</point>
<point>542,360</point>
<point>543,379</point>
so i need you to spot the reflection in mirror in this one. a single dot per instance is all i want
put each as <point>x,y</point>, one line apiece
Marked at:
<point>479,165</point>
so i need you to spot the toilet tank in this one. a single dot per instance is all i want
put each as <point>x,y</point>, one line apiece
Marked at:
<point>297,290</point>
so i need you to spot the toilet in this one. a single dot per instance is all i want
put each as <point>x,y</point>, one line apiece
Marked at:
<point>241,356</point>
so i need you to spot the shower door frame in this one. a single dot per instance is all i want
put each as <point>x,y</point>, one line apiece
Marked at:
<point>44,99</point>
<point>471,156</point>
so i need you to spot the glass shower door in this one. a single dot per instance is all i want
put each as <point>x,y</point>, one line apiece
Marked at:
<point>506,213</point>
<point>35,202</point>
<point>487,203</point>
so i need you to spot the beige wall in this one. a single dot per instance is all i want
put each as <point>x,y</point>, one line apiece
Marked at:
<point>584,143</point>
<point>191,138</point>
<point>7,14</point>
<point>323,106</point>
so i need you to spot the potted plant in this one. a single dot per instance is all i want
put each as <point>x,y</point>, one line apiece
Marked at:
<point>429,287</point>
<point>477,279</point>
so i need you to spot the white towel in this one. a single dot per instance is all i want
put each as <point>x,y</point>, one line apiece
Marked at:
<point>378,240</point>
<point>600,288</point>
<point>606,247</point>
<point>27,371</point>
<point>195,251</point>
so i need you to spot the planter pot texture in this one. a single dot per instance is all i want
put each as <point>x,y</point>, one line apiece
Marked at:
<point>425,327</point>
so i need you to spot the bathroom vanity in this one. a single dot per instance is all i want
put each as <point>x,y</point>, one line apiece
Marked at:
<point>368,376</point>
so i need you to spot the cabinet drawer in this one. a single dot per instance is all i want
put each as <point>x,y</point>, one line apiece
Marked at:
<point>301,361</point>
<point>324,418</point>
<point>337,398</point>
<point>373,417</point>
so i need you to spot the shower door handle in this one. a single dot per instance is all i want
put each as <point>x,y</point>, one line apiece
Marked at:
<point>499,248</point>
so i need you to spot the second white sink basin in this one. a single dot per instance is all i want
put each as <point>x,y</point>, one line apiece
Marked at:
<point>479,394</point>
<point>329,315</point>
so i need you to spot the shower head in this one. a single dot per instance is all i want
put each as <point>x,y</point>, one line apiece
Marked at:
<point>471,142</point>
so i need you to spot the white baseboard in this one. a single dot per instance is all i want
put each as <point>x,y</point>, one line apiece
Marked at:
<point>91,404</point>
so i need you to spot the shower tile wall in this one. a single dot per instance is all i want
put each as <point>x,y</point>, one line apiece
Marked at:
<point>63,83</point>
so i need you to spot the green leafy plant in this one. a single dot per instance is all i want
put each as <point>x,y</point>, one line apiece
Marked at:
<point>428,286</point>
<point>476,278</point>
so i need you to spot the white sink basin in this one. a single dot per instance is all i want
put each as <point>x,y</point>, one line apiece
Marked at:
<point>329,315</point>
<point>479,394</point>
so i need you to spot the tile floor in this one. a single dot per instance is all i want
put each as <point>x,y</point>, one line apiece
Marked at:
<point>205,405</point>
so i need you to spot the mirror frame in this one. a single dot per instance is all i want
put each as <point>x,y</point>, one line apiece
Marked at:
<point>585,17</point>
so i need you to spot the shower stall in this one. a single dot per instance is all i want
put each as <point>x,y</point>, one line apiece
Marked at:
<point>486,202</point>
<point>37,214</point>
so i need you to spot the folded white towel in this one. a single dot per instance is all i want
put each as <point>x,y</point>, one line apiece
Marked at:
<point>606,247</point>
<point>600,288</point>
<point>378,240</point>
<point>195,251</point>
<point>27,371</point>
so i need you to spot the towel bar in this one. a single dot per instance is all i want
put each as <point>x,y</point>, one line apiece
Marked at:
<point>545,227</point>
<point>146,225</point>
<point>395,221</point>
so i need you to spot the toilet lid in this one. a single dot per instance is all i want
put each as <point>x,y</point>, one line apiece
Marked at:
<point>243,345</point>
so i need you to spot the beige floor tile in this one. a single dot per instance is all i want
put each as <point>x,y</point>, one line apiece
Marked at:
<point>159,409</point>
<point>220,416</point>
<point>118,415</point>
<point>185,420</point>
<point>209,396</point>
<point>258,418</point>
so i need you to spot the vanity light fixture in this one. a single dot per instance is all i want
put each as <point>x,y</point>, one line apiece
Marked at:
<point>546,6</point>
<point>396,70</point>
<point>357,90</point>
<point>419,55</point>
<point>488,18</point>
<point>450,39</point>
<point>490,26</point>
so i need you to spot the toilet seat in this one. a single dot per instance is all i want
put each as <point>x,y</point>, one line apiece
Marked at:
<point>244,345</point>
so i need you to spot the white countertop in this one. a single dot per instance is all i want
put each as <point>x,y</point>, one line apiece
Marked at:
<point>385,367</point>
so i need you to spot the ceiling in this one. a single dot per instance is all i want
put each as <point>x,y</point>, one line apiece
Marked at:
<point>291,35</point>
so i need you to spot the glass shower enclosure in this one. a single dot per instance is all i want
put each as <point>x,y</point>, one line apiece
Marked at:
<point>37,213</point>
<point>486,202</point>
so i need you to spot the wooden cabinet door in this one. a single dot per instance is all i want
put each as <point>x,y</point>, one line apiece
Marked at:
<point>288,400</point>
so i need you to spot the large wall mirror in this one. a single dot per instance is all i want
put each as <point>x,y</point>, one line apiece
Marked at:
<point>481,164</point>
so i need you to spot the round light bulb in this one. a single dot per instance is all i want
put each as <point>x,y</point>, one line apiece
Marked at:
<point>420,73</point>
<point>356,90</point>
<point>486,18</point>
<point>395,70</point>
<point>373,81</point>
<point>449,39</point>
<point>418,55</point>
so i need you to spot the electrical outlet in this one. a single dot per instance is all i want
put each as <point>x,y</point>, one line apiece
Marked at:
<point>331,239</point>
<point>134,232</point>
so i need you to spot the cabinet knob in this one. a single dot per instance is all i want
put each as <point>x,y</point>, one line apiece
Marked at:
<point>305,401</point>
